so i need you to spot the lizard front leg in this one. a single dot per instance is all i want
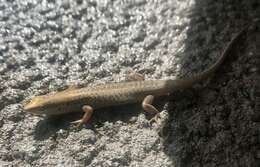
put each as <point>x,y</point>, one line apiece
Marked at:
<point>86,117</point>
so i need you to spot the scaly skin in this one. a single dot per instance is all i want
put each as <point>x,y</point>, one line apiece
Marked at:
<point>118,93</point>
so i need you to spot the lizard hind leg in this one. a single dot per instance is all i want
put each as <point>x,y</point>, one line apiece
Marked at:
<point>148,107</point>
<point>132,75</point>
<point>86,117</point>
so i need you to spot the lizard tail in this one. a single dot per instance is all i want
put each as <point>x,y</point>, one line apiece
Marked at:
<point>188,82</point>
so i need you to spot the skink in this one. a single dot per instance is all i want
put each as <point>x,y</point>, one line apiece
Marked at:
<point>89,98</point>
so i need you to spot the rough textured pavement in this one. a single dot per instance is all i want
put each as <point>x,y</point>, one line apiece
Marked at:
<point>48,45</point>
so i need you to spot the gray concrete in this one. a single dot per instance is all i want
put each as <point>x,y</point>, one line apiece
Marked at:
<point>47,46</point>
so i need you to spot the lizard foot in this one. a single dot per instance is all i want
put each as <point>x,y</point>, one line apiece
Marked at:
<point>154,119</point>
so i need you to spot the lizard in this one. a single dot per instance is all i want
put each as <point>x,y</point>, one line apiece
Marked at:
<point>88,99</point>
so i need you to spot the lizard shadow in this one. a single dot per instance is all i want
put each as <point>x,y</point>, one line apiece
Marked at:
<point>49,126</point>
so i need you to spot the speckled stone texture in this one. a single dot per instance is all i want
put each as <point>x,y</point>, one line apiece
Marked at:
<point>46,46</point>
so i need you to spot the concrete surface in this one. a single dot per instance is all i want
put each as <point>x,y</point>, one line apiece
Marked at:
<point>48,45</point>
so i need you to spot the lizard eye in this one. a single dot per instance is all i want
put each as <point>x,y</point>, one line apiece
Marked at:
<point>39,99</point>
<point>36,100</point>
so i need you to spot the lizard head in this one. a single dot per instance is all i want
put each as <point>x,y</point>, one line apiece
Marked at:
<point>36,105</point>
